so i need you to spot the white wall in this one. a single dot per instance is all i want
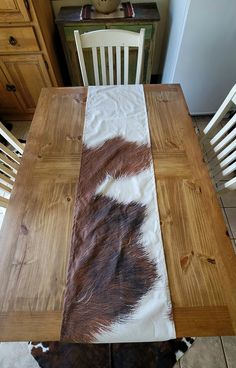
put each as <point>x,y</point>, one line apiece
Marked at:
<point>207,60</point>
<point>201,53</point>
<point>162,7</point>
<point>178,10</point>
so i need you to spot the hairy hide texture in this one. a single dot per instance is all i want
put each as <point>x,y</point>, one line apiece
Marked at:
<point>62,355</point>
<point>135,355</point>
<point>115,157</point>
<point>109,271</point>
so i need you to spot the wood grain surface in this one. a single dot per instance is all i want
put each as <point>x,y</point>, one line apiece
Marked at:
<point>35,237</point>
<point>200,259</point>
<point>36,233</point>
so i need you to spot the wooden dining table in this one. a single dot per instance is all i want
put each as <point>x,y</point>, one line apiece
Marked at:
<point>35,238</point>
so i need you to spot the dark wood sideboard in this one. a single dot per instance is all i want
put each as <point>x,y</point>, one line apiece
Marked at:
<point>68,20</point>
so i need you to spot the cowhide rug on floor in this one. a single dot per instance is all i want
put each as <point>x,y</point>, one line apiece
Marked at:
<point>62,355</point>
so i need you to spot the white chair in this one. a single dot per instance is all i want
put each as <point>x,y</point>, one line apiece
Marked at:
<point>109,42</point>
<point>221,141</point>
<point>10,154</point>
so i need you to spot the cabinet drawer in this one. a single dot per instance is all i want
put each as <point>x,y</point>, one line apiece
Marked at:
<point>20,39</point>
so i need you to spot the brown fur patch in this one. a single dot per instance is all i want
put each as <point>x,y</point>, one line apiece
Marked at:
<point>109,271</point>
<point>134,355</point>
<point>116,157</point>
<point>72,356</point>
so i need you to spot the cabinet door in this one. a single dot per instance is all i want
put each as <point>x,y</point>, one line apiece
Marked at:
<point>8,100</point>
<point>13,11</point>
<point>29,75</point>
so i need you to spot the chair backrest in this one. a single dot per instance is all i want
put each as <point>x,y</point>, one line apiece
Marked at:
<point>111,44</point>
<point>10,153</point>
<point>222,143</point>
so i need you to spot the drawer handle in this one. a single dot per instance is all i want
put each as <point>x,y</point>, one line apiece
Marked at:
<point>10,88</point>
<point>12,41</point>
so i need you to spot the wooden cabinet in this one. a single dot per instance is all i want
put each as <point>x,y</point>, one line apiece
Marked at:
<point>14,11</point>
<point>28,61</point>
<point>68,19</point>
<point>20,39</point>
<point>29,75</point>
<point>8,101</point>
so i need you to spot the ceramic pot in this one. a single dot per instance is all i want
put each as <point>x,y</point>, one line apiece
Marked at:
<point>105,6</point>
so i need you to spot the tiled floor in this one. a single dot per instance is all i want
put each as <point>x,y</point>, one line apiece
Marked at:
<point>212,352</point>
<point>20,129</point>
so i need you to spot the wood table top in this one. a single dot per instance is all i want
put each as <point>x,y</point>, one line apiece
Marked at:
<point>36,233</point>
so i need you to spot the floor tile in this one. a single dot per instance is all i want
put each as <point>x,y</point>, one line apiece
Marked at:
<point>231,216</point>
<point>229,198</point>
<point>16,355</point>
<point>206,352</point>
<point>202,122</point>
<point>20,129</point>
<point>229,344</point>
<point>177,365</point>
<point>202,119</point>
<point>201,125</point>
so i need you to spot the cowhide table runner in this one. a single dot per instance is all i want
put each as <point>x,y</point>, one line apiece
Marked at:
<point>117,286</point>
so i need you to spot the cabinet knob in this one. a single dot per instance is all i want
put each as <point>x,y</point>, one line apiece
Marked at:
<point>10,88</point>
<point>12,41</point>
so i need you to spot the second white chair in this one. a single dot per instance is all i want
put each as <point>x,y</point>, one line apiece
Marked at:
<point>9,163</point>
<point>221,142</point>
<point>108,43</point>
